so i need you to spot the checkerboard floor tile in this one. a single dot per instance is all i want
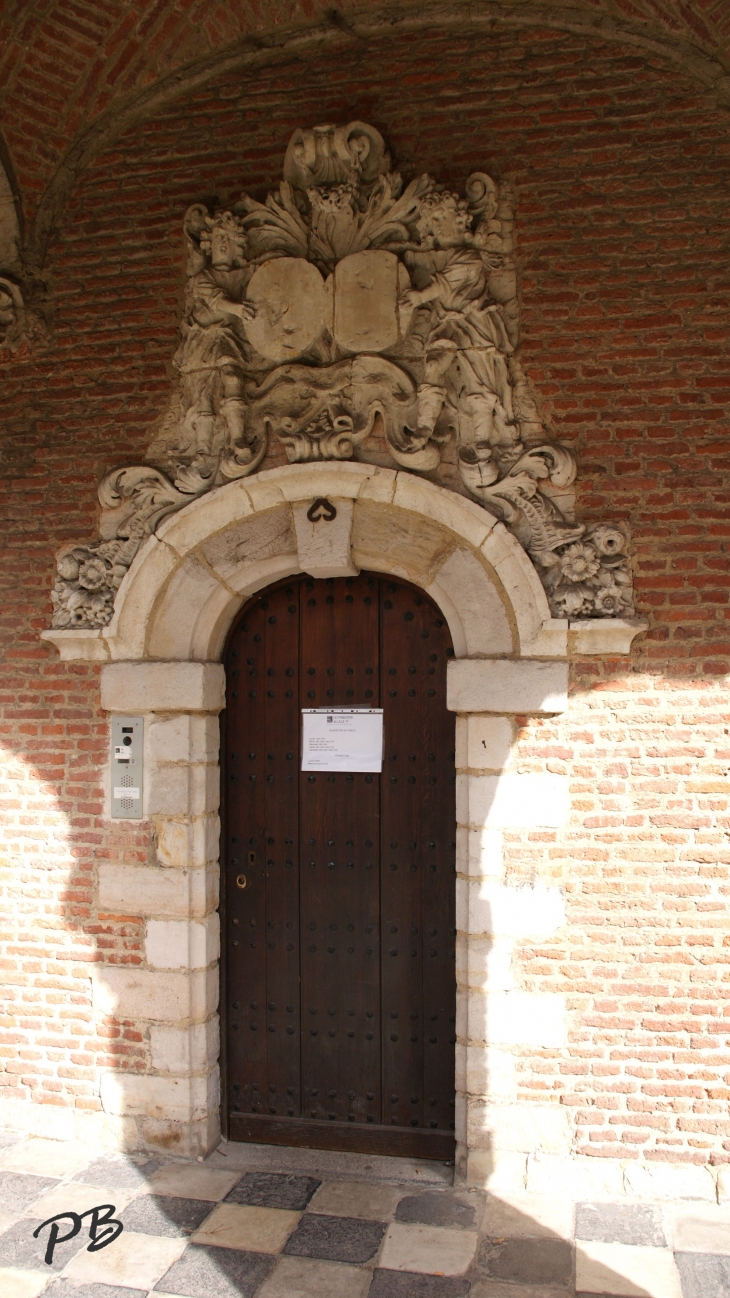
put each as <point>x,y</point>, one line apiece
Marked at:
<point>280,1226</point>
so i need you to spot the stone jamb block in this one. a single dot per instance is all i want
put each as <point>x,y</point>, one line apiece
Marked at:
<point>162,687</point>
<point>531,687</point>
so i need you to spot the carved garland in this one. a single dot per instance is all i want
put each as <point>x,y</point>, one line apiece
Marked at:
<point>346,306</point>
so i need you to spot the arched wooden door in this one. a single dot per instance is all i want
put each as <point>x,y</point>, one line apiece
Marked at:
<point>339,991</point>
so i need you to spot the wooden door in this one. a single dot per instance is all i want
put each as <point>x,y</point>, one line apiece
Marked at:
<point>339,928</point>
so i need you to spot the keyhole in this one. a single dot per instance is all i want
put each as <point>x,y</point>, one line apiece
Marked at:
<point>252,858</point>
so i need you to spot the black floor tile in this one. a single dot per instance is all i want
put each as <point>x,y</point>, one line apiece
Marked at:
<point>162,1214</point>
<point>273,1190</point>
<point>703,1275</point>
<point>122,1173</point>
<point>18,1190</point>
<point>210,1272</point>
<point>405,1284</point>
<point>18,1248</point>
<point>620,1223</point>
<point>436,1208</point>
<point>336,1239</point>
<point>525,1261</point>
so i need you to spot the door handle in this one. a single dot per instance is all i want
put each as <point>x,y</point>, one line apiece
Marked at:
<point>241,881</point>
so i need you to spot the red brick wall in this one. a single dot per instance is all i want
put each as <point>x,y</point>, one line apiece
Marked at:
<point>621,170</point>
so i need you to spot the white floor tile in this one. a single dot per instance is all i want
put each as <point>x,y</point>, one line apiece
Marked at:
<point>41,1157</point>
<point>303,1277</point>
<point>191,1182</point>
<point>23,1284</point>
<point>429,1249</point>
<point>357,1199</point>
<point>699,1229</point>
<point>236,1225</point>
<point>529,1216</point>
<point>134,1260</point>
<point>628,1271</point>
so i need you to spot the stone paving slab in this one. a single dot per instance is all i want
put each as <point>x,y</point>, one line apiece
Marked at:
<point>257,1222</point>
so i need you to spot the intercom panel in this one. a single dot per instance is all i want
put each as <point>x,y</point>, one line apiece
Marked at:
<point>127,767</point>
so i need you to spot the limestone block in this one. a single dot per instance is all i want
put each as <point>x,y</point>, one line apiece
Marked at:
<point>575,1177</point>
<point>179,944</point>
<point>87,645</point>
<point>669,1181</point>
<point>491,1073</point>
<point>529,686</point>
<point>203,517</point>
<point>188,844</point>
<point>520,581</point>
<point>191,588</point>
<point>324,547</point>
<point>479,851</point>
<point>477,601</point>
<point>529,911</point>
<point>483,743</point>
<point>605,635</point>
<point>261,536</point>
<point>182,790</point>
<point>185,1050</point>
<point>723,1184</point>
<point>551,641</point>
<point>175,1099</point>
<point>403,544</point>
<point>162,687</point>
<point>380,485</point>
<point>198,633</point>
<point>512,801</point>
<point>165,893</point>
<point>524,1127</point>
<point>484,963</point>
<point>516,1018</point>
<point>127,632</point>
<point>188,737</point>
<point>119,991</point>
<point>500,1171</point>
<point>462,517</point>
<point>329,478</point>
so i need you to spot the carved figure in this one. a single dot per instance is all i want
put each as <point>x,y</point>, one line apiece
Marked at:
<point>463,334</point>
<point>341,307</point>
<point>212,358</point>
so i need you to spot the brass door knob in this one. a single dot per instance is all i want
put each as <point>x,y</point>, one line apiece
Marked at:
<point>241,881</point>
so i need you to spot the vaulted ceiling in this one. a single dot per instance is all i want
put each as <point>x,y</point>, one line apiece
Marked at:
<point>75,73</point>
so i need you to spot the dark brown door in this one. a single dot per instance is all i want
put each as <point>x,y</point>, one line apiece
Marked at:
<point>339,926</point>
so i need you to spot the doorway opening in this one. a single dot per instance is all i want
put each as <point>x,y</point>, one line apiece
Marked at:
<point>339,996</point>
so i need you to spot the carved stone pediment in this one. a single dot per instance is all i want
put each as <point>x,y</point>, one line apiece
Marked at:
<point>344,314</point>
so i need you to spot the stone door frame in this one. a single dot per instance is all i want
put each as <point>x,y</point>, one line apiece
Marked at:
<point>161,657</point>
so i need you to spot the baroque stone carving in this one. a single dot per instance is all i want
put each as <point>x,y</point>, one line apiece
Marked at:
<point>346,308</point>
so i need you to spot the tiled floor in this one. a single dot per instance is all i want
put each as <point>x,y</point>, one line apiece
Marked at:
<point>279,1223</point>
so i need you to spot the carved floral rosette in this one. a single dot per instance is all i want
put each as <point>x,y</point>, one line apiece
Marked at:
<point>344,309</point>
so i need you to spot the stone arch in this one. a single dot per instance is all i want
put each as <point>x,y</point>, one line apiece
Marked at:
<point>163,653</point>
<point>186,584</point>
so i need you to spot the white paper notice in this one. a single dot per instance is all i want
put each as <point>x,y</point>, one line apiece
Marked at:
<point>342,739</point>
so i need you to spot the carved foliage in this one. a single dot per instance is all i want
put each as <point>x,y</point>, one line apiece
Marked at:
<point>340,306</point>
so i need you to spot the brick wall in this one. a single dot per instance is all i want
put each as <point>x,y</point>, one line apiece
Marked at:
<point>621,170</point>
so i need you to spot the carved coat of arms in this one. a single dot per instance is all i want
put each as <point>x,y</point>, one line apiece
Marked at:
<point>344,308</point>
